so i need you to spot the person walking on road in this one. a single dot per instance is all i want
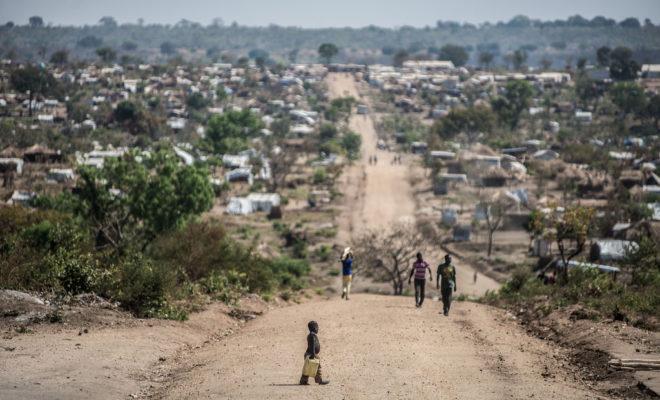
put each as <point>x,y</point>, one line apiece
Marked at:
<point>312,353</point>
<point>346,273</point>
<point>446,279</point>
<point>419,270</point>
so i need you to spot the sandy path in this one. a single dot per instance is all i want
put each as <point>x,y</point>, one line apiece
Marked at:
<point>382,347</point>
<point>379,195</point>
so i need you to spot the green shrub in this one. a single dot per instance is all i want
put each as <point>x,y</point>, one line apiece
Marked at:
<point>320,176</point>
<point>323,252</point>
<point>518,279</point>
<point>289,272</point>
<point>142,287</point>
<point>169,311</point>
<point>76,273</point>
<point>228,287</point>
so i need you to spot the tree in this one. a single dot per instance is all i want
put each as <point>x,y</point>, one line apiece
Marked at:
<point>327,51</point>
<point>622,66</point>
<point>630,23</point>
<point>600,21</point>
<point>519,58</point>
<point>108,22</point>
<point>516,99</point>
<point>34,81</point>
<point>545,63</point>
<point>496,209</point>
<point>131,200</point>
<point>603,56</point>
<point>400,57</point>
<point>229,132</point>
<point>129,46</point>
<point>258,53</point>
<point>126,111</point>
<point>60,57</point>
<point>90,41</point>
<point>106,54</point>
<point>652,110</point>
<point>388,50</point>
<point>196,101</point>
<point>455,54</point>
<point>292,56</point>
<point>351,143</point>
<point>570,231</point>
<point>471,121</point>
<point>36,22</point>
<point>386,254</point>
<point>282,163</point>
<point>586,89</point>
<point>328,132</point>
<point>629,97</point>
<point>167,48</point>
<point>340,108</point>
<point>486,58</point>
<point>133,118</point>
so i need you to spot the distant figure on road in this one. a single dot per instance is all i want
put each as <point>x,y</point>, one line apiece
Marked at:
<point>446,283</point>
<point>312,353</point>
<point>474,278</point>
<point>419,270</point>
<point>346,273</point>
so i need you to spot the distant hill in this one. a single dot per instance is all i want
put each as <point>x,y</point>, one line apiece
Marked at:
<point>558,41</point>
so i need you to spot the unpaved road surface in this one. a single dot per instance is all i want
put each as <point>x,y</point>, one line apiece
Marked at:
<point>377,195</point>
<point>381,191</point>
<point>380,347</point>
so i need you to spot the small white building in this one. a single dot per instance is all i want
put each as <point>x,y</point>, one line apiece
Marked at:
<point>611,249</point>
<point>240,175</point>
<point>21,198</point>
<point>545,155</point>
<point>584,117</point>
<point>264,201</point>
<point>61,175</point>
<point>442,155</point>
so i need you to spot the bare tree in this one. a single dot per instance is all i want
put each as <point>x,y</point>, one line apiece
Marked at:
<point>282,162</point>
<point>495,210</point>
<point>386,255</point>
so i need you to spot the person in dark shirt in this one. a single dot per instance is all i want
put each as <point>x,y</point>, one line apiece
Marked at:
<point>446,283</point>
<point>346,273</point>
<point>419,270</point>
<point>312,352</point>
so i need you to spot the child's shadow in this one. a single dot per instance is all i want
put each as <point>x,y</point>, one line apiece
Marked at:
<point>285,384</point>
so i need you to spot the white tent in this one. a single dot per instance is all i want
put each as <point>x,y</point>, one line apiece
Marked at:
<point>264,201</point>
<point>239,206</point>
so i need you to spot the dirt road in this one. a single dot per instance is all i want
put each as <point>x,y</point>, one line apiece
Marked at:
<point>380,194</point>
<point>380,347</point>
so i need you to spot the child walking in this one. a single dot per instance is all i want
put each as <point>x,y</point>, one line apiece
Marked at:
<point>312,352</point>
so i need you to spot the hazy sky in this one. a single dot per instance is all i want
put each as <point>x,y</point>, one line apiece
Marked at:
<point>320,13</point>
